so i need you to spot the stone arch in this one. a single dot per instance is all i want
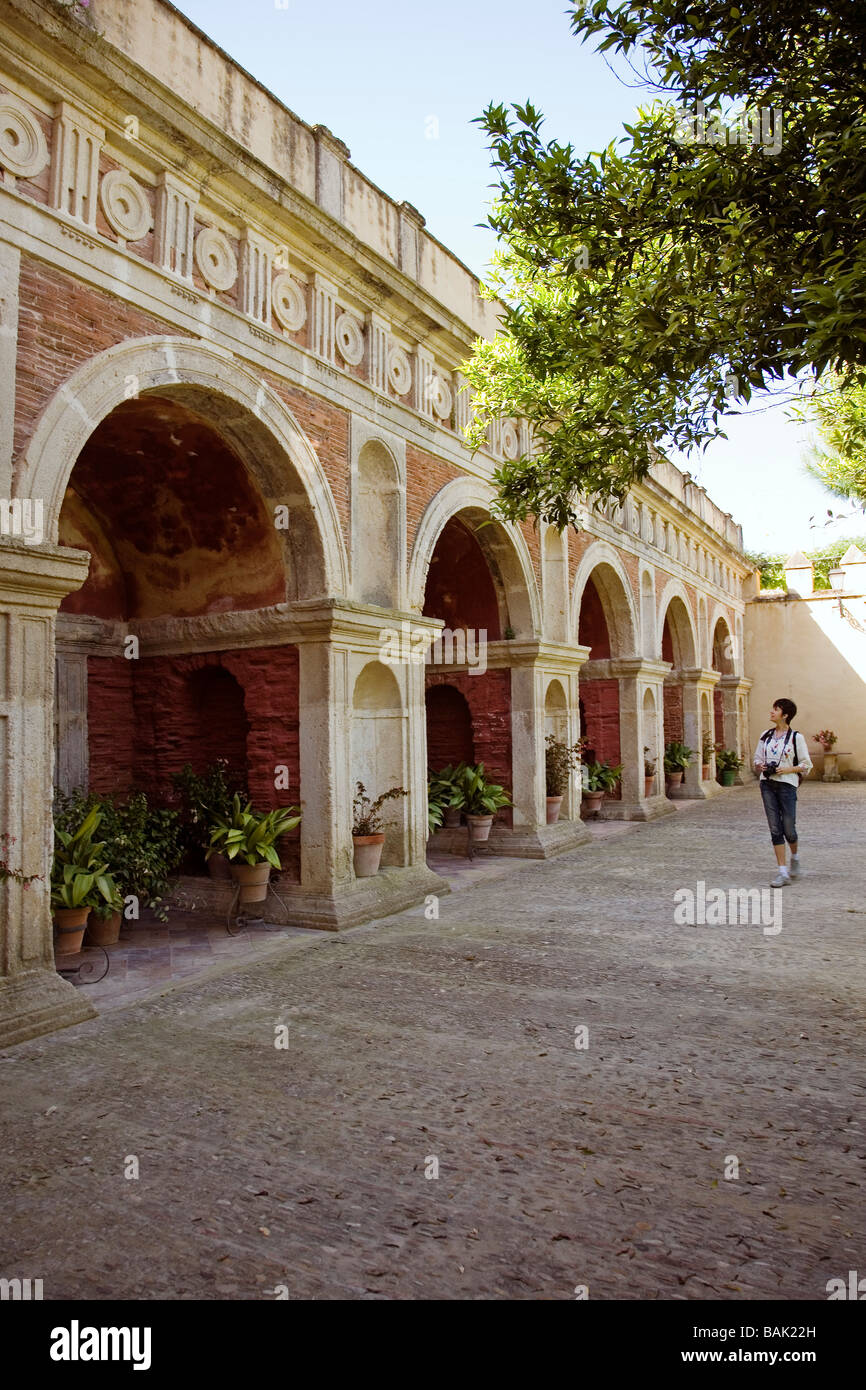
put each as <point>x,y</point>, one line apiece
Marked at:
<point>555,577</point>
<point>378,751</point>
<point>556,711</point>
<point>703,632</point>
<point>650,733</point>
<point>378,526</point>
<point>244,410</point>
<point>503,544</point>
<point>723,645</point>
<point>676,616</point>
<point>602,564</point>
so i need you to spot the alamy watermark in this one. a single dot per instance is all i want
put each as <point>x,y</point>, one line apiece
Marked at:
<point>737,907</point>
<point>759,126</point>
<point>418,646</point>
<point>23,518</point>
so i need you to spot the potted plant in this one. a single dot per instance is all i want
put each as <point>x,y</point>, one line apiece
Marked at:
<point>600,778</point>
<point>482,799</point>
<point>708,748</point>
<point>247,839</point>
<point>677,758</point>
<point>445,788</point>
<point>368,837</point>
<point>826,738</point>
<point>728,764</point>
<point>560,759</point>
<point>204,797</point>
<point>649,772</point>
<point>79,881</point>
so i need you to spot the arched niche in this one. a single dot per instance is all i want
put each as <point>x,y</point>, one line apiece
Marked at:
<point>378,752</point>
<point>651,735</point>
<point>377,548</point>
<point>555,576</point>
<point>556,712</point>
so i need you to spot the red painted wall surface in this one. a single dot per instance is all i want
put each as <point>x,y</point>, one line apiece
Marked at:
<point>592,629</point>
<point>600,709</point>
<point>460,590</point>
<point>449,727</point>
<point>489,699</point>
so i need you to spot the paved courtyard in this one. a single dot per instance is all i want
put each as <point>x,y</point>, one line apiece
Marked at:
<point>457,1043</point>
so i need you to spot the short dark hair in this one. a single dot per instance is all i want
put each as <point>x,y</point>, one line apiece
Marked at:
<point>788,708</point>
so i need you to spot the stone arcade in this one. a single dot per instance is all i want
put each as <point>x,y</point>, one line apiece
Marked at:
<point>230,376</point>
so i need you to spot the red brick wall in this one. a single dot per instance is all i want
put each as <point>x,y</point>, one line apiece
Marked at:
<point>110,724</point>
<point>327,428</point>
<point>600,701</point>
<point>449,728</point>
<point>460,590</point>
<point>673,712</point>
<point>62,324</point>
<point>592,625</point>
<point>489,699</point>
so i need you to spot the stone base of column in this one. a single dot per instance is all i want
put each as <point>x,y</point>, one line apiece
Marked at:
<point>697,792</point>
<point>37,1002</point>
<point>523,842</point>
<point>648,809</point>
<point>390,890</point>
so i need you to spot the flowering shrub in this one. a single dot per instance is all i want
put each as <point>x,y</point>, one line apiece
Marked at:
<point>826,738</point>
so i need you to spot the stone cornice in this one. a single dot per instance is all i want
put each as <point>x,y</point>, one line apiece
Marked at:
<point>634,666</point>
<point>39,576</point>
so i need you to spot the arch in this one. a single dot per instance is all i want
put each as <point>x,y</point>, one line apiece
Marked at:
<point>241,406</point>
<point>377,526</point>
<point>503,544</point>
<point>603,565</point>
<point>650,732</point>
<point>676,616</point>
<point>703,631</point>
<point>556,711</point>
<point>378,752</point>
<point>723,646</point>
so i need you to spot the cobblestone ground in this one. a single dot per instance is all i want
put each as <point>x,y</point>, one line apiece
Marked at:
<point>455,1039</point>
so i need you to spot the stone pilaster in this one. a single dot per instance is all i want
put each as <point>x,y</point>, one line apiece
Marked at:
<point>696,682</point>
<point>324,317</point>
<point>75,163</point>
<point>379,339</point>
<point>257,258</point>
<point>425,374</point>
<point>176,202</point>
<point>33,581</point>
<point>637,730</point>
<point>736,730</point>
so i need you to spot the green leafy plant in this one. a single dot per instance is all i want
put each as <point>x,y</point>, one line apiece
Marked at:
<point>708,748</point>
<point>678,756</point>
<point>79,870</point>
<point>446,787</point>
<point>560,760</point>
<point>204,796</point>
<point>251,835</point>
<point>602,777</point>
<point>481,797</point>
<point>728,760</point>
<point>142,843</point>
<point>367,814</point>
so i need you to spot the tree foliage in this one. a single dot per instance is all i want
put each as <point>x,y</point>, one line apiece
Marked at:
<point>824,559</point>
<point>653,286</point>
<point>839,459</point>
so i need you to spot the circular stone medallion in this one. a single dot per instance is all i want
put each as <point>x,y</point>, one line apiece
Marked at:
<point>287,299</point>
<point>215,258</point>
<point>125,205</point>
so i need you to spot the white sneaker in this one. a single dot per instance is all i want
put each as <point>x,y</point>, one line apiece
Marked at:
<point>795,867</point>
<point>782,879</point>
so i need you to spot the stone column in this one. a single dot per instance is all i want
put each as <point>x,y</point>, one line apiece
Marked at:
<point>533,666</point>
<point>33,581</point>
<point>697,681</point>
<point>635,676</point>
<point>735,688</point>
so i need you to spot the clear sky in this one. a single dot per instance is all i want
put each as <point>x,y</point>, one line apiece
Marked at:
<point>400,83</point>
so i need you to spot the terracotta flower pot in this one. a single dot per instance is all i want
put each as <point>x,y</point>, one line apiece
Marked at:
<point>253,880</point>
<point>368,854</point>
<point>479,827</point>
<point>218,867</point>
<point>648,784</point>
<point>705,772</point>
<point>452,817</point>
<point>592,802</point>
<point>674,778</point>
<point>554,804</point>
<point>104,931</point>
<point>70,923</point>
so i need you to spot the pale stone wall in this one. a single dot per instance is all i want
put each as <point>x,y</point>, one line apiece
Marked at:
<point>803,648</point>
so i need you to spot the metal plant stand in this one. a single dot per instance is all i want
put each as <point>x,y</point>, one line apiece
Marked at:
<point>236,924</point>
<point>84,973</point>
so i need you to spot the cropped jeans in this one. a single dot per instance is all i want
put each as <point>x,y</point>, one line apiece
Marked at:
<point>780,804</point>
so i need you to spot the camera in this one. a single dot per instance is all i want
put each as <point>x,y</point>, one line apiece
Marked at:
<point>771,766</point>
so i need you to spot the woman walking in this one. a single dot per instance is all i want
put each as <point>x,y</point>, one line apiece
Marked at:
<point>782,761</point>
